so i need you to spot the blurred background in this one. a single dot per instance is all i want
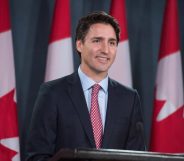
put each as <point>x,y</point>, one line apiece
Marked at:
<point>31,25</point>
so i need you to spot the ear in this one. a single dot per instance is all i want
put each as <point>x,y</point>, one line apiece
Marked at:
<point>79,45</point>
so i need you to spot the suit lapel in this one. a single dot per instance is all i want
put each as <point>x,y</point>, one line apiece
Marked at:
<point>111,114</point>
<point>77,96</point>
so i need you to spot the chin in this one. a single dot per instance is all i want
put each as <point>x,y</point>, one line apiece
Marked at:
<point>102,70</point>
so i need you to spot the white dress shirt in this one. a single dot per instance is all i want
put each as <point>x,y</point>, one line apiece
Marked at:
<point>87,84</point>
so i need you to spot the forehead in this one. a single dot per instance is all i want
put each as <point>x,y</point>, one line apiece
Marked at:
<point>101,30</point>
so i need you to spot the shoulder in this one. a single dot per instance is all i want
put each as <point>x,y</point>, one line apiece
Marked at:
<point>122,91</point>
<point>58,85</point>
<point>120,87</point>
<point>126,95</point>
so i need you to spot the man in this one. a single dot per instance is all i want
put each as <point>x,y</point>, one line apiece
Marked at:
<point>70,114</point>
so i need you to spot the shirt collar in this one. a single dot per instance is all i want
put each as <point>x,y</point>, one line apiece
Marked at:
<point>87,82</point>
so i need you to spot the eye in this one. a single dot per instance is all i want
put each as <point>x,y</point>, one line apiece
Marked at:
<point>112,43</point>
<point>96,41</point>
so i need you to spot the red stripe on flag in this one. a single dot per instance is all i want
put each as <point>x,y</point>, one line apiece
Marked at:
<point>61,21</point>
<point>4,15</point>
<point>6,154</point>
<point>170,31</point>
<point>8,116</point>
<point>168,136</point>
<point>119,12</point>
<point>168,115</point>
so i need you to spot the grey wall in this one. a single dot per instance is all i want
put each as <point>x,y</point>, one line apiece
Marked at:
<point>31,20</point>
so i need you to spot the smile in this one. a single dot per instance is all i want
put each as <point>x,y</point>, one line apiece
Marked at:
<point>102,59</point>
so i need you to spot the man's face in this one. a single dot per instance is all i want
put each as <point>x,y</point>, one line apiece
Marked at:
<point>98,50</point>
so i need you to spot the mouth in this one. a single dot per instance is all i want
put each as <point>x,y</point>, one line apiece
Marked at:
<point>102,59</point>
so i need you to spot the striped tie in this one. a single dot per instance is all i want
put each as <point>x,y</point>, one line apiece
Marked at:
<point>96,117</point>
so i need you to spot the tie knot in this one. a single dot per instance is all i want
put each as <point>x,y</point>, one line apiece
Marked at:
<point>95,88</point>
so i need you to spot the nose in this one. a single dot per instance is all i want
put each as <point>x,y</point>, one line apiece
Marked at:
<point>105,47</point>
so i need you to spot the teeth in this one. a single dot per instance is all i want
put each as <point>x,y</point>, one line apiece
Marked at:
<point>103,59</point>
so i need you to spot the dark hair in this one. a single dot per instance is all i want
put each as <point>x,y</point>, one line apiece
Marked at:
<point>93,18</point>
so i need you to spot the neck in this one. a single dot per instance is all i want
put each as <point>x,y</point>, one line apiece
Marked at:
<point>95,76</point>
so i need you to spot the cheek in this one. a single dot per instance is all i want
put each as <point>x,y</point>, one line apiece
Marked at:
<point>88,55</point>
<point>113,53</point>
<point>94,49</point>
<point>92,52</point>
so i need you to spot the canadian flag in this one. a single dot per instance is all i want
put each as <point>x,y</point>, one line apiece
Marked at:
<point>168,115</point>
<point>60,55</point>
<point>9,140</point>
<point>121,68</point>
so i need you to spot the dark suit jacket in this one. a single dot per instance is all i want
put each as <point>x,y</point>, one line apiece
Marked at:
<point>61,119</point>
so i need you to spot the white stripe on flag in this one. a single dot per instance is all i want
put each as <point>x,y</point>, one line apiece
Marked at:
<point>7,81</point>
<point>167,88</point>
<point>59,59</point>
<point>121,68</point>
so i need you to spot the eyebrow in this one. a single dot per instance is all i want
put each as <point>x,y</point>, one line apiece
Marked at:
<point>113,39</point>
<point>99,37</point>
